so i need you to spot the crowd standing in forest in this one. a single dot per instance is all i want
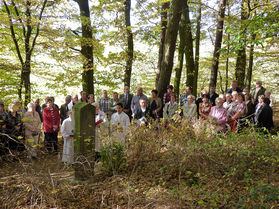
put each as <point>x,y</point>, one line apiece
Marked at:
<point>231,111</point>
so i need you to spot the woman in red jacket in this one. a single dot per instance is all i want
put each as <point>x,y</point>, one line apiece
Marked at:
<point>51,125</point>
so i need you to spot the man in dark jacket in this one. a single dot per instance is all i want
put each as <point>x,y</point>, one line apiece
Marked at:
<point>65,109</point>
<point>126,97</point>
<point>142,113</point>
<point>213,95</point>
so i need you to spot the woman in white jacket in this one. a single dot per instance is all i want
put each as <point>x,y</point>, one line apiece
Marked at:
<point>190,108</point>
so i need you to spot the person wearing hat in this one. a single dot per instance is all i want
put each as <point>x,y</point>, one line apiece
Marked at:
<point>167,95</point>
<point>183,97</point>
<point>205,107</point>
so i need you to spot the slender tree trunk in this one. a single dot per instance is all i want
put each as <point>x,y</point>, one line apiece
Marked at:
<point>169,46</point>
<point>164,22</point>
<point>227,64</point>
<point>189,52</point>
<point>228,54</point>
<point>218,43</point>
<point>251,59</point>
<point>197,52</point>
<point>86,47</point>
<point>181,50</point>
<point>241,54</point>
<point>130,43</point>
<point>28,44</point>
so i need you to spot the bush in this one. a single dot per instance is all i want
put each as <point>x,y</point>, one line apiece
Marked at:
<point>112,157</point>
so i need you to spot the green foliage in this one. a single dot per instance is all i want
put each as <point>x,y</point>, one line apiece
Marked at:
<point>112,157</point>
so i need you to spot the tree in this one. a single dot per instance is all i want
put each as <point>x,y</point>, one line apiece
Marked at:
<point>25,39</point>
<point>197,52</point>
<point>169,46</point>
<point>218,43</point>
<point>251,60</point>
<point>241,52</point>
<point>86,46</point>
<point>164,22</point>
<point>189,52</point>
<point>130,44</point>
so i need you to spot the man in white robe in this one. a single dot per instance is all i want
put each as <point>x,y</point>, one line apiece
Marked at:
<point>120,122</point>
<point>68,136</point>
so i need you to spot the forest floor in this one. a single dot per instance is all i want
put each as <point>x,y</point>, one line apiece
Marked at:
<point>206,178</point>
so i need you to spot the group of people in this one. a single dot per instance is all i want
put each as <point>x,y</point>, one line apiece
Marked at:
<point>227,111</point>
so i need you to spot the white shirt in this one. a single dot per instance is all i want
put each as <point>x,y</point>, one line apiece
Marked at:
<point>100,116</point>
<point>120,120</point>
<point>70,105</point>
<point>67,128</point>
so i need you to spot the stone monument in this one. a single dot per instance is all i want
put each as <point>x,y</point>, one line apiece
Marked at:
<point>84,140</point>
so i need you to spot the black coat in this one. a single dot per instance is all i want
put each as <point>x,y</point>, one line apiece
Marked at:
<point>139,114</point>
<point>212,98</point>
<point>265,119</point>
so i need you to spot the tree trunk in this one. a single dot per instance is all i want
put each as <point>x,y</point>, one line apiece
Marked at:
<point>197,52</point>
<point>164,22</point>
<point>28,44</point>
<point>130,43</point>
<point>251,59</point>
<point>181,50</point>
<point>86,47</point>
<point>189,52</point>
<point>218,43</point>
<point>228,54</point>
<point>241,54</point>
<point>169,46</point>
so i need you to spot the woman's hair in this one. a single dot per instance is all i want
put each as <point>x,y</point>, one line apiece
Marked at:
<point>266,101</point>
<point>206,96</point>
<point>261,97</point>
<point>173,95</point>
<point>242,96</point>
<point>154,91</point>
<point>190,96</point>
<point>249,96</point>
<point>234,93</point>
<point>218,99</point>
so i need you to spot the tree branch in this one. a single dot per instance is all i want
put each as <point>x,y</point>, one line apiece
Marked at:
<point>38,26</point>
<point>78,50</point>
<point>13,33</point>
<point>18,16</point>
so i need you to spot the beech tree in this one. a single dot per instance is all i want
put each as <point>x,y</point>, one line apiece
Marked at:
<point>27,16</point>
<point>86,46</point>
<point>130,44</point>
<point>169,46</point>
<point>218,43</point>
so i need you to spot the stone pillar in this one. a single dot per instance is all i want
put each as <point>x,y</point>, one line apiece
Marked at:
<point>84,140</point>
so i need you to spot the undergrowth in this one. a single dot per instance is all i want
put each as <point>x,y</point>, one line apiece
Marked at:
<point>180,166</point>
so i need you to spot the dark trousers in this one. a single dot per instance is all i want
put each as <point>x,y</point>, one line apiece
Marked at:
<point>51,140</point>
